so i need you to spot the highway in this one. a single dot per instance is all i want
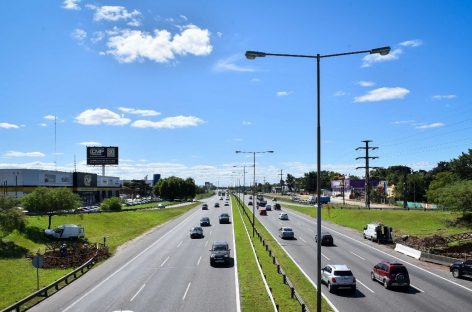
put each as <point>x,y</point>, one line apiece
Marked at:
<point>432,287</point>
<point>163,270</point>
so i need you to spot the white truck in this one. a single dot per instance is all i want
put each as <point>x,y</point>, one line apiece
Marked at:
<point>66,231</point>
<point>378,232</point>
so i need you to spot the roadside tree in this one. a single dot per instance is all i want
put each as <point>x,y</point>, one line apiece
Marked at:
<point>113,204</point>
<point>11,218</point>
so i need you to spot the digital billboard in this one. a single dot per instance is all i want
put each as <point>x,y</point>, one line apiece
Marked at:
<point>102,155</point>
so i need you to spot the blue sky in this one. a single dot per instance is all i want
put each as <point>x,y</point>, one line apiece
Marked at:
<point>168,83</point>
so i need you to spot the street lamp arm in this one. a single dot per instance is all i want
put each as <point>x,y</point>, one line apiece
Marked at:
<point>251,55</point>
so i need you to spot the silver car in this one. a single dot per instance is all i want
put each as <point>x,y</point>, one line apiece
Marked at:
<point>337,276</point>
<point>286,233</point>
<point>283,216</point>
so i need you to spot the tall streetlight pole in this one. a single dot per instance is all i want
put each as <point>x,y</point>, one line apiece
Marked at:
<point>254,185</point>
<point>251,55</point>
<point>244,178</point>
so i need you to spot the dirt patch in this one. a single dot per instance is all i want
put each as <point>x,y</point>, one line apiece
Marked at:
<point>439,245</point>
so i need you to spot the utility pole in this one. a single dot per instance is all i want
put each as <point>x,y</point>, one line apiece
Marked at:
<point>281,180</point>
<point>367,158</point>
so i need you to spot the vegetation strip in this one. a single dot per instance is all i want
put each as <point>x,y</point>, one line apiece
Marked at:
<point>252,291</point>
<point>18,275</point>
<point>300,282</point>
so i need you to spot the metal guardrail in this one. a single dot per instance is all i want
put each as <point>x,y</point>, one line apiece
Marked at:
<point>293,293</point>
<point>45,292</point>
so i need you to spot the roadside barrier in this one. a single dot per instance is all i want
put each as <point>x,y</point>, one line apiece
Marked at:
<point>408,251</point>
<point>293,293</point>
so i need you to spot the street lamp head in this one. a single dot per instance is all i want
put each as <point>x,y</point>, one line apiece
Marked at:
<point>237,152</point>
<point>270,151</point>
<point>381,51</point>
<point>250,55</point>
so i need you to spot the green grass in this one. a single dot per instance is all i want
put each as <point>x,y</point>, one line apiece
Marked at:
<point>149,205</point>
<point>251,287</point>
<point>17,275</point>
<point>412,222</point>
<point>303,286</point>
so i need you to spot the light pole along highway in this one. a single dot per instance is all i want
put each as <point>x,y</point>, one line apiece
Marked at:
<point>254,184</point>
<point>251,55</point>
<point>244,178</point>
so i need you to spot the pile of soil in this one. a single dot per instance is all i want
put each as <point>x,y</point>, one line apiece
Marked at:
<point>438,245</point>
<point>73,255</point>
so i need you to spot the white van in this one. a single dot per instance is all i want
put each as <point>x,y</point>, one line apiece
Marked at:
<point>66,231</point>
<point>378,232</point>
<point>370,231</point>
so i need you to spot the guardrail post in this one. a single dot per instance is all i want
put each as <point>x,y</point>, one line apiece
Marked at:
<point>292,292</point>
<point>303,307</point>
<point>278,268</point>
<point>284,278</point>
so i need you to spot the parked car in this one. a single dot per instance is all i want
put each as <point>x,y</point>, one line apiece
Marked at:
<point>277,206</point>
<point>196,232</point>
<point>205,221</point>
<point>224,218</point>
<point>66,231</point>
<point>219,253</point>
<point>205,207</point>
<point>161,206</point>
<point>217,205</point>
<point>268,207</point>
<point>262,211</point>
<point>286,233</point>
<point>391,274</point>
<point>337,276</point>
<point>283,216</point>
<point>326,239</point>
<point>461,268</point>
<point>378,232</point>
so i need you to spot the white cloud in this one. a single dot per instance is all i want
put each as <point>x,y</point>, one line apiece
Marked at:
<point>340,93</point>
<point>412,43</point>
<point>444,97</point>
<point>7,125</point>
<point>115,13</point>
<point>431,125</point>
<point>247,123</point>
<point>184,17</point>
<point>100,116</point>
<point>79,34</point>
<point>401,122</point>
<point>15,154</point>
<point>71,4</point>
<point>141,112</point>
<point>128,46</point>
<point>50,117</point>
<point>229,64</point>
<point>284,93</point>
<point>219,34</point>
<point>98,36</point>
<point>255,80</point>
<point>382,94</point>
<point>364,83</point>
<point>169,122</point>
<point>43,124</point>
<point>90,143</point>
<point>369,59</point>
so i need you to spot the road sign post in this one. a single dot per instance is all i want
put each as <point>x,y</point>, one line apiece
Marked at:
<point>38,262</point>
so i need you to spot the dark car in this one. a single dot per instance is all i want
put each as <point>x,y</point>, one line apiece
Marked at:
<point>277,206</point>
<point>224,218</point>
<point>217,205</point>
<point>204,207</point>
<point>250,203</point>
<point>196,232</point>
<point>461,268</point>
<point>205,221</point>
<point>227,204</point>
<point>391,274</point>
<point>219,253</point>
<point>326,239</point>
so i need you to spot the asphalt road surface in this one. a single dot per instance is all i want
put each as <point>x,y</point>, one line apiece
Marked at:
<point>163,270</point>
<point>432,286</point>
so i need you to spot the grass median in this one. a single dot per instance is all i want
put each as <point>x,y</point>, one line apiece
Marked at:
<point>17,275</point>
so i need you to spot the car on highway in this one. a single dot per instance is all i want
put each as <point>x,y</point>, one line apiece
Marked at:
<point>249,203</point>
<point>205,221</point>
<point>224,218</point>
<point>196,232</point>
<point>219,253</point>
<point>391,274</point>
<point>161,206</point>
<point>337,276</point>
<point>286,232</point>
<point>461,268</point>
<point>283,216</point>
<point>221,198</point>
<point>277,206</point>
<point>227,204</point>
<point>326,238</point>
<point>217,205</point>
<point>268,207</point>
<point>250,197</point>
<point>205,207</point>
<point>262,211</point>
<point>274,199</point>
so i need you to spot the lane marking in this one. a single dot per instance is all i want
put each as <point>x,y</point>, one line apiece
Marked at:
<point>358,256</point>
<point>180,244</point>
<point>199,259</point>
<point>325,257</point>
<point>206,243</point>
<point>130,261</point>
<point>385,253</point>
<point>236,277</point>
<point>211,232</point>
<point>301,238</point>
<point>365,286</point>
<point>137,292</point>
<point>418,289</point>
<point>162,264</point>
<point>186,291</point>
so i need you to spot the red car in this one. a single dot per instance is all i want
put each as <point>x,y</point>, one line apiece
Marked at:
<point>391,274</point>
<point>262,211</point>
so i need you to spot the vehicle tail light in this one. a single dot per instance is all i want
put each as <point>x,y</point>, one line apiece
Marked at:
<point>333,279</point>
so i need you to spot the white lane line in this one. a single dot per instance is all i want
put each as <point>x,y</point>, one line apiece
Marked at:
<point>358,256</point>
<point>179,225</point>
<point>180,244</point>
<point>325,257</point>
<point>137,292</point>
<point>385,253</point>
<point>211,232</point>
<point>365,286</point>
<point>199,259</point>
<point>186,291</point>
<point>162,264</point>
<point>301,238</point>
<point>206,243</point>
<point>418,289</point>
